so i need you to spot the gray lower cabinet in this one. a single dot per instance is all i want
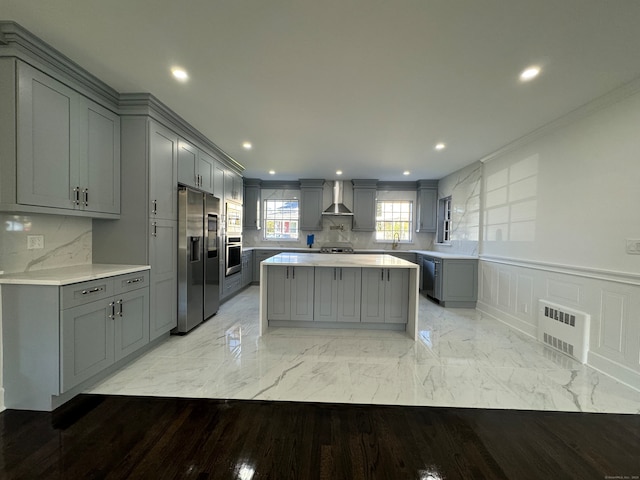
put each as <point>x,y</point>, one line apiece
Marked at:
<point>337,294</point>
<point>100,333</point>
<point>70,335</point>
<point>247,268</point>
<point>163,258</point>
<point>259,256</point>
<point>61,150</point>
<point>290,293</point>
<point>385,295</point>
<point>452,282</point>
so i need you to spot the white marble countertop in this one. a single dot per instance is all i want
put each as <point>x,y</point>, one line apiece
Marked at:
<point>338,260</point>
<point>287,249</point>
<point>445,255</point>
<point>69,275</point>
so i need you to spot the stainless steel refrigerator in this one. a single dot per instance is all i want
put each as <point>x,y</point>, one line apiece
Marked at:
<point>198,258</point>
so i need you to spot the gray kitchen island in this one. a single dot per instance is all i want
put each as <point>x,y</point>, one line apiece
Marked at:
<point>339,291</point>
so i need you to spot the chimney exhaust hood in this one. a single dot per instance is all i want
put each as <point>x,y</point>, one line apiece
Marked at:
<point>337,207</point>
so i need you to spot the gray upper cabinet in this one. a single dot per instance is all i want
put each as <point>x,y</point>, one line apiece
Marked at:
<point>252,204</point>
<point>427,206</point>
<point>195,167</point>
<point>206,170</point>
<point>364,205</point>
<point>233,187</point>
<point>67,148</point>
<point>163,188</point>
<point>311,196</point>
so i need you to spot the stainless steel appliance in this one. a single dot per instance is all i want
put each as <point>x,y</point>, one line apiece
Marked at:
<point>198,258</point>
<point>338,247</point>
<point>430,271</point>
<point>233,255</point>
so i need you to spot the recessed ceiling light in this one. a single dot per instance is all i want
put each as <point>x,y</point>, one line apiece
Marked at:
<point>338,172</point>
<point>529,73</point>
<point>247,145</point>
<point>406,172</point>
<point>180,74</point>
<point>440,146</point>
<point>272,172</point>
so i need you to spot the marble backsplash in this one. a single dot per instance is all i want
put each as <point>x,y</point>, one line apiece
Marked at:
<point>464,188</point>
<point>342,226</point>
<point>67,241</point>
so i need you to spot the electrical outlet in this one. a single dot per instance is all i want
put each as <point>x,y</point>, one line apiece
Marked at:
<point>35,242</point>
<point>633,246</point>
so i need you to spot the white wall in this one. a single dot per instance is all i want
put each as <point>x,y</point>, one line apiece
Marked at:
<point>556,214</point>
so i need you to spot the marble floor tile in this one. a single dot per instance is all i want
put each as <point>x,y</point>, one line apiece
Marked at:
<point>461,359</point>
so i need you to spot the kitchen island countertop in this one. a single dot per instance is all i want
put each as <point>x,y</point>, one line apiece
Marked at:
<point>339,260</point>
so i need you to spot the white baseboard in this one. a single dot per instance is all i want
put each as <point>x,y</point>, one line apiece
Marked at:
<point>613,369</point>
<point>508,319</point>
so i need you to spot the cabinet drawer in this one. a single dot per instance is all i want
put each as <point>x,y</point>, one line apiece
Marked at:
<point>85,292</point>
<point>130,282</point>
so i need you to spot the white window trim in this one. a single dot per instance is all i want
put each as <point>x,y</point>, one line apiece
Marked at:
<point>411,221</point>
<point>266,219</point>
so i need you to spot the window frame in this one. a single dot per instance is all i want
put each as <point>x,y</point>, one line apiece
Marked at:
<point>410,221</point>
<point>266,218</point>
<point>445,221</point>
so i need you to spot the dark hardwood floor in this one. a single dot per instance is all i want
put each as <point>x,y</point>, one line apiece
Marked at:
<point>156,438</point>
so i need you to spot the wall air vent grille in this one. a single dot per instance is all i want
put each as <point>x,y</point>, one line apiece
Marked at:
<point>564,329</point>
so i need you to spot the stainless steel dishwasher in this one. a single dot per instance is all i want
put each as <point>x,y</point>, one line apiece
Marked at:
<point>431,283</point>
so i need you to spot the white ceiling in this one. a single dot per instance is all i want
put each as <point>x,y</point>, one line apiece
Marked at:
<point>365,86</point>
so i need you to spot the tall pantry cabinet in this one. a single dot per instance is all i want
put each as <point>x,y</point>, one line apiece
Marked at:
<point>147,230</point>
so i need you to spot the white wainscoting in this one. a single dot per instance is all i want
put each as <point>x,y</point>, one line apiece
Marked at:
<point>509,290</point>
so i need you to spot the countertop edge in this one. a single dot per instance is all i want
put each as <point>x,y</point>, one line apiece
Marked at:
<point>66,275</point>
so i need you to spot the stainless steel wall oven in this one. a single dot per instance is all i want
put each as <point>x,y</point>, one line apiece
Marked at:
<point>233,254</point>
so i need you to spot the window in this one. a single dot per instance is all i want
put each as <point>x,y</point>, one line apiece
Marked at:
<point>444,224</point>
<point>281,218</point>
<point>394,220</point>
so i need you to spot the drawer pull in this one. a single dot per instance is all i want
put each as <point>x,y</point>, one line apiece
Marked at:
<point>135,280</point>
<point>92,290</point>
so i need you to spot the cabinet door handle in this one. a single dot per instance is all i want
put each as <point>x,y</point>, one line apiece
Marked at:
<point>134,280</point>
<point>92,290</point>
<point>113,310</point>
<point>119,303</point>
<point>85,192</point>
<point>382,274</point>
<point>154,210</point>
<point>340,274</point>
<point>334,273</point>
<point>155,229</point>
<point>293,272</point>
<point>287,272</point>
<point>388,273</point>
<point>76,196</point>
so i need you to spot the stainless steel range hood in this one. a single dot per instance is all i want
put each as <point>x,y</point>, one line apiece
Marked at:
<point>337,207</point>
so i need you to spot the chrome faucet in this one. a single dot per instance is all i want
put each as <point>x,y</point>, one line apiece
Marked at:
<point>396,241</point>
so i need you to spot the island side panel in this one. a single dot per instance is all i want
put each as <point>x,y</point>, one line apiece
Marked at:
<point>264,322</point>
<point>412,321</point>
